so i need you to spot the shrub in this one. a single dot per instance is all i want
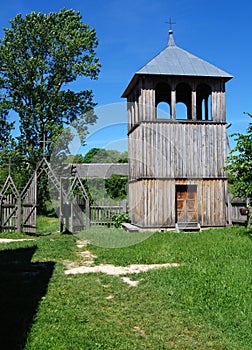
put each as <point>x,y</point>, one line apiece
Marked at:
<point>116,186</point>
<point>118,219</point>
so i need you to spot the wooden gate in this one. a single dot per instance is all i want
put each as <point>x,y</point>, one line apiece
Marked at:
<point>10,207</point>
<point>80,216</point>
<point>29,199</point>
<point>74,205</point>
<point>29,194</point>
<point>186,203</point>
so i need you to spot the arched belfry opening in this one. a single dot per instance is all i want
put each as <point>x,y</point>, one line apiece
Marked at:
<point>177,158</point>
<point>183,100</point>
<point>163,100</point>
<point>204,102</point>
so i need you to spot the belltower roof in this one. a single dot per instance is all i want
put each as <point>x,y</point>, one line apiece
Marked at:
<point>175,61</point>
<point>178,62</point>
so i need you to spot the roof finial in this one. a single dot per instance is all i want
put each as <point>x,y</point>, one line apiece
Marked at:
<point>171,41</point>
<point>170,24</point>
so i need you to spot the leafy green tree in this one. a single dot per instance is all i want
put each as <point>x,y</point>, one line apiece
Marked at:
<point>5,133</point>
<point>5,126</point>
<point>39,56</point>
<point>11,161</point>
<point>116,186</point>
<point>89,156</point>
<point>240,164</point>
<point>101,155</point>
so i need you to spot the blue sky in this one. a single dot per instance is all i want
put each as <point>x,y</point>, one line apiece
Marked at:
<point>131,33</point>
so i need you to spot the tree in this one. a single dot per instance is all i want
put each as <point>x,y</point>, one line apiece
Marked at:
<point>5,129</point>
<point>101,155</point>
<point>5,126</point>
<point>39,56</point>
<point>116,186</point>
<point>240,164</point>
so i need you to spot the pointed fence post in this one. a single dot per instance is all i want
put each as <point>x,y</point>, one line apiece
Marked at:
<point>229,209</point>
<point>87,214</point>
<point>61,207</point>
<point>124,205</point>
<point>19,227</point>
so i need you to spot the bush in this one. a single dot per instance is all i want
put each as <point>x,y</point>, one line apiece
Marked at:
<point>116,186</point>
<point>118,219</point>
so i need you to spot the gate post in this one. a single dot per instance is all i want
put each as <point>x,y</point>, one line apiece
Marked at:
<point>229,210</point>
<point>61,207</point>
<point>19,227</point>
<point>1,213</point>
<point>124,204</point>
<point>87,214</point>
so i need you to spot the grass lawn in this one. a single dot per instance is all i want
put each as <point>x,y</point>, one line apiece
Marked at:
<point>206,303</point>
<point>47,225</point>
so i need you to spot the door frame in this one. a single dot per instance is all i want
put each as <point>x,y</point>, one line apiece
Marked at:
<point>185,187</point>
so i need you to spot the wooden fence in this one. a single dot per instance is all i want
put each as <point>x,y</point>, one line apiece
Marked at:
<point>10,207</point>
<point>237,211</point>
<point>16,210</point>
<point>101,214</point>
<point>10,214</point>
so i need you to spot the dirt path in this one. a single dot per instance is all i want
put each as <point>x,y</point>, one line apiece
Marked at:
<point>9,240</point>
<point>109,269</point>
<point>118,270</point>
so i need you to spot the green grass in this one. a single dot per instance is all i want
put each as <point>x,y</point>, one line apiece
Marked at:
<point>47,224</point>
<point>206,303</point>
<point>113,238</point>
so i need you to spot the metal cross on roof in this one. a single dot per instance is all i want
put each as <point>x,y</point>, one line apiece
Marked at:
<point>170,23</point>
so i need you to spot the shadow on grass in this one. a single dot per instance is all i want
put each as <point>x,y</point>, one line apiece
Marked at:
<point>22,285</point>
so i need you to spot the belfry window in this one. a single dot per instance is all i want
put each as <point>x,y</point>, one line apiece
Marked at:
<point>181,110</point>
<point>163,101</point>
<point>183,101</point>
<point>204,102</point>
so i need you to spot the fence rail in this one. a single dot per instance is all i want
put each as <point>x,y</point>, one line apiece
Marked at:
<point>101,215</point>
<point>237,212</point>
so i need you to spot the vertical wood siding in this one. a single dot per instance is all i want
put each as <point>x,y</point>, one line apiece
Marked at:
<point>179,150</point>
<point>153,202</point>
<point>163,154</point>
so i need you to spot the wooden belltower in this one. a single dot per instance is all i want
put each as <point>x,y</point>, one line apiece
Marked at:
<point>176,158</point>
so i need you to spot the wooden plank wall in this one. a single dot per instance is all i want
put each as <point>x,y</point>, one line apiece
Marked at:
<point>177,150</point>
<point>152,202</point>
<point>237,217</point>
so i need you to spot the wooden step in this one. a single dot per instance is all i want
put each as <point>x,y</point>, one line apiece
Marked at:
<point>187,226</point>
<point>129,227</point>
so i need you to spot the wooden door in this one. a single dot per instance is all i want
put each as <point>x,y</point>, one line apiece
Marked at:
<point>186,203</point>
